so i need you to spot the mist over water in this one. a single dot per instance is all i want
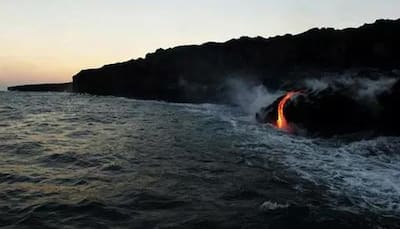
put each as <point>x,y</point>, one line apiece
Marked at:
<point>250,96</point>
<point>79,159</point>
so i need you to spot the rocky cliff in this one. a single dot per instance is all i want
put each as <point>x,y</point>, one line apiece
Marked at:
<point>369,107</point>
<point>198,73</point>
<point>60,87</point>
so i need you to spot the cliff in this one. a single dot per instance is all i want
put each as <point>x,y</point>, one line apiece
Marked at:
<point>198,73</point>
<point>346,106</point>
<point>61,87</point>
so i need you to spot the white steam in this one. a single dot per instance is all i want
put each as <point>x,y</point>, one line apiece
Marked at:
<point>372,88</point>
<point>317,84</point>
<point>249,96</point>
<point>362,88</point>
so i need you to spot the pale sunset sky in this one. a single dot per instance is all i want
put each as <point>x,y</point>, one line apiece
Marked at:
<point>51,40</point>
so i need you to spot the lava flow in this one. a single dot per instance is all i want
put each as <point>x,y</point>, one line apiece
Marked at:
<point>281,122</point>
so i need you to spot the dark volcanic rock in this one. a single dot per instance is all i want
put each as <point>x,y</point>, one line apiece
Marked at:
<point>197,73</point>
<point>341,109</point>
<point>61,87</point>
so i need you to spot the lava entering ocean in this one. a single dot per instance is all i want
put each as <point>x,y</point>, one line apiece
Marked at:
<point>281,122</point>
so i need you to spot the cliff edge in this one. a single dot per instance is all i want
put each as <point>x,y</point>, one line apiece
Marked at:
<point>198,73</point>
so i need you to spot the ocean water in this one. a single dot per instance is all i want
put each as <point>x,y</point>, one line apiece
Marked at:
<point>80,161</point>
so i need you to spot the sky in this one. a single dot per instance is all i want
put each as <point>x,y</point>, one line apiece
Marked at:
<point>51,40</point>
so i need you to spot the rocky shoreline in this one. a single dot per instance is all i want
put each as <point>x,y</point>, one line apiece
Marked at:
<point>198,73</point>
<point>61,87</point>
<point>201,74</point>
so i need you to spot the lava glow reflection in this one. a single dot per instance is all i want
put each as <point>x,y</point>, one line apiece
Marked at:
<point>281,122</point>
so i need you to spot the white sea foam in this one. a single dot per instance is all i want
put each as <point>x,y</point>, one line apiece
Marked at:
<point>269,205</point>
<point>365,173</point>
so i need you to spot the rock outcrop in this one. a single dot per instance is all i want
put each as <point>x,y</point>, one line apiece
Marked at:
<point>198,73</point>
<point>60,87</point>
<point>342,109</point>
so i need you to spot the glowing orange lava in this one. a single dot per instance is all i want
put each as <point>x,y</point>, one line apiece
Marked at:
<point>281,122</point>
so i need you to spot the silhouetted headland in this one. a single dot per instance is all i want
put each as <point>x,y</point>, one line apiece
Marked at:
<point>58,87</point>
<point>198,73</point>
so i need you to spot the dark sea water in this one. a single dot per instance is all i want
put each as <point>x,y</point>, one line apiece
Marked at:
<point>80,161</point>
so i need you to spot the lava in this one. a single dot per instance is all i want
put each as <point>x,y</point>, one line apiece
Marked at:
<point>281,122</point>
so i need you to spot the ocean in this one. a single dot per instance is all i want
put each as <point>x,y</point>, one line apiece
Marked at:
<point>82,161</point>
